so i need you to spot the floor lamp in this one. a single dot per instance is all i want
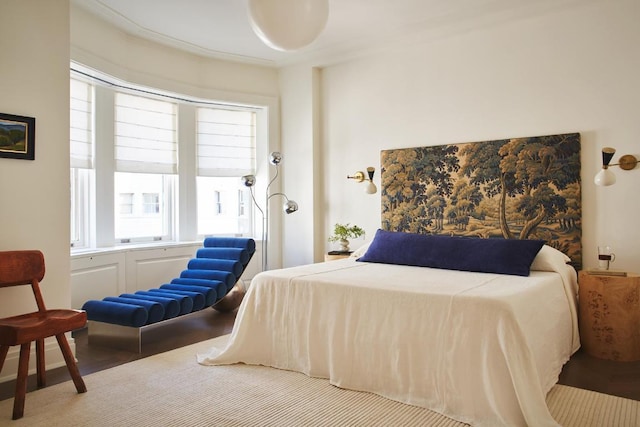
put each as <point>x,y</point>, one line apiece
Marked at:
<point>275,158</point>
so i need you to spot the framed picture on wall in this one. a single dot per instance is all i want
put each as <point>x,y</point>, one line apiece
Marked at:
<point>17,137</point>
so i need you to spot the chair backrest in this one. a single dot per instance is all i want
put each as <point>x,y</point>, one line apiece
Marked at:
<point>23,268</point>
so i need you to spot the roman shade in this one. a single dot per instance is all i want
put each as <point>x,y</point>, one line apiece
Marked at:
<point>81,129</point>
<point>226,142</point>
<point>145,135</point>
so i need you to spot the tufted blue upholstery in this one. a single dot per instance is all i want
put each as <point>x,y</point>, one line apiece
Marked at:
<point>208,278</point>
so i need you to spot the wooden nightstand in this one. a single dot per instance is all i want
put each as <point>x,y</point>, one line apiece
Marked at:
<point>334,255</point>
<point>609,316</point>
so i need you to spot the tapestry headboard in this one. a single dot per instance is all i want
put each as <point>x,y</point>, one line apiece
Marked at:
<point>519,188</point>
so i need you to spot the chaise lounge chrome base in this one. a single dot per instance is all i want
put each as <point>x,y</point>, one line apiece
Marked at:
<point>130,338</point>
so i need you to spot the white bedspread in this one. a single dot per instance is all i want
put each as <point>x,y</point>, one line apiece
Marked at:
<point>480,348</point>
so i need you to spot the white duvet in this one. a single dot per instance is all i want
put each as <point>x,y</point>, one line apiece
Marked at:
<point>480,348</point>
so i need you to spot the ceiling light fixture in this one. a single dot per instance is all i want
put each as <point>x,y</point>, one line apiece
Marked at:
<point>288,25</point>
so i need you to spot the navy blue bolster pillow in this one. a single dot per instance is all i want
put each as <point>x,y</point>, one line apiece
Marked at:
<point>230,242</point>
<point>502,256</point>
<point>234,254</point>
<point>197,299</point>
<point>116,313</point>
<point>155,311</point>
<point>231,266</point>
<point>185,303</point>
<point>171,306</point>
<point>219,287</point>
<point>225,277</point>
<point>209,294</point>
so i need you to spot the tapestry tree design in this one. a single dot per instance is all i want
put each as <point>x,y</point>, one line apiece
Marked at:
<point>519,188</point>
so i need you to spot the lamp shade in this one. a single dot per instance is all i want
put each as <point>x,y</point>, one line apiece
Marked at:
<point>288,24</point>
<point>275,158</point>
<point>248,180</point>
<point>371,188</point>
<point>290,207</point>
<point>607,155</point>
<point>605,177</point>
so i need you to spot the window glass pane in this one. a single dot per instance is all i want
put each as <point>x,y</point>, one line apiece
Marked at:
<point>151,203</point>
<point>75,226</point>
<point>81,207</point>
<point>126,203</point>
<point>220,209</point>
<point>142,206</point>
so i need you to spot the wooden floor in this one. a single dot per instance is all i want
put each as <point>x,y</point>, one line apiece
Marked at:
<point>582,371</point>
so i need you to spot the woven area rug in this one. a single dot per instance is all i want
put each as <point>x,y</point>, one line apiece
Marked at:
<point>172,389</point>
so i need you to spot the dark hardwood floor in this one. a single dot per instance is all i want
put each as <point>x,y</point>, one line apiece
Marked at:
<point>582,371</point>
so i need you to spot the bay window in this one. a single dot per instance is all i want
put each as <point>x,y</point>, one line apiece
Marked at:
<point>125,148</point>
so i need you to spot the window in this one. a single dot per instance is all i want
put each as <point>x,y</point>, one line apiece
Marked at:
<point>225,152</point>
<point>151,203</point>
<point>126,203</point>
<point>146,162</point>
<point>143,214</point>
<point>81,161</point>
<point>213,194</point>
<point>242,203</point>
<point>124,151</point>
<point>217,203</point>
<point>80,213</point>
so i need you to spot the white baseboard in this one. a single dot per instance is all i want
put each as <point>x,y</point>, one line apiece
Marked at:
<point>52,356</point>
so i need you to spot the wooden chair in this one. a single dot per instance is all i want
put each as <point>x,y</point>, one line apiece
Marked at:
<point>27,268</point>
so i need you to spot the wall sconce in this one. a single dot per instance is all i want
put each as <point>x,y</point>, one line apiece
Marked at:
<point>360,176</point>
<point>288,207</point>
<point>605,176</point>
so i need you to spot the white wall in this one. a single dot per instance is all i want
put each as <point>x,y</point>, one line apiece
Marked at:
<point>301,148</point>
<point>34,195</point>
<point>34,81</point>
<point>570,70</point>
<point>99,45</point>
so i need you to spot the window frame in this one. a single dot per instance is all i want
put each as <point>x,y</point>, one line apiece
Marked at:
<point>81,213</point>
<point>98,224</point>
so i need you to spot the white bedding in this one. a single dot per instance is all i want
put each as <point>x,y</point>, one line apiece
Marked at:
<point>480,348</point>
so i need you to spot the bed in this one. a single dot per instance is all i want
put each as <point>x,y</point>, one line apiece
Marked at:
<point>452,310</point>
<point>480,348</point>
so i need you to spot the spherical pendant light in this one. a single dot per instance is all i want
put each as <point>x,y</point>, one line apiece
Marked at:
<point>288,24</point>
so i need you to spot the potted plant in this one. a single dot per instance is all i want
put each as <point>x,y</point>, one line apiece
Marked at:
<point>343,232</point>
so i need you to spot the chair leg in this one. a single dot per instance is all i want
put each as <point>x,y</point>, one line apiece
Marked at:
<point>71,363</point>
<point>40,366</point>
<point>21,381</point>
<point>4,349</point>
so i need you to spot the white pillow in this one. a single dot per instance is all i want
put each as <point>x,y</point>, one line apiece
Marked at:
<point>549,259</point>
<point>360,251</point>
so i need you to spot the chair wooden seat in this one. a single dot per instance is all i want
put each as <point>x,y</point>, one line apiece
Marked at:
<point>29,327</point>
<point>27,268</point>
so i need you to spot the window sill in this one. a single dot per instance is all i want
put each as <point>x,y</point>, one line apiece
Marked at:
<point>80,252</point>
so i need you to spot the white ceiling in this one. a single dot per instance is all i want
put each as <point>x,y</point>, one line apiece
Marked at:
<point>220,28</point>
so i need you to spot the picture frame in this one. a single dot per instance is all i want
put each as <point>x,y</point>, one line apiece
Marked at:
<point>17,137</point>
